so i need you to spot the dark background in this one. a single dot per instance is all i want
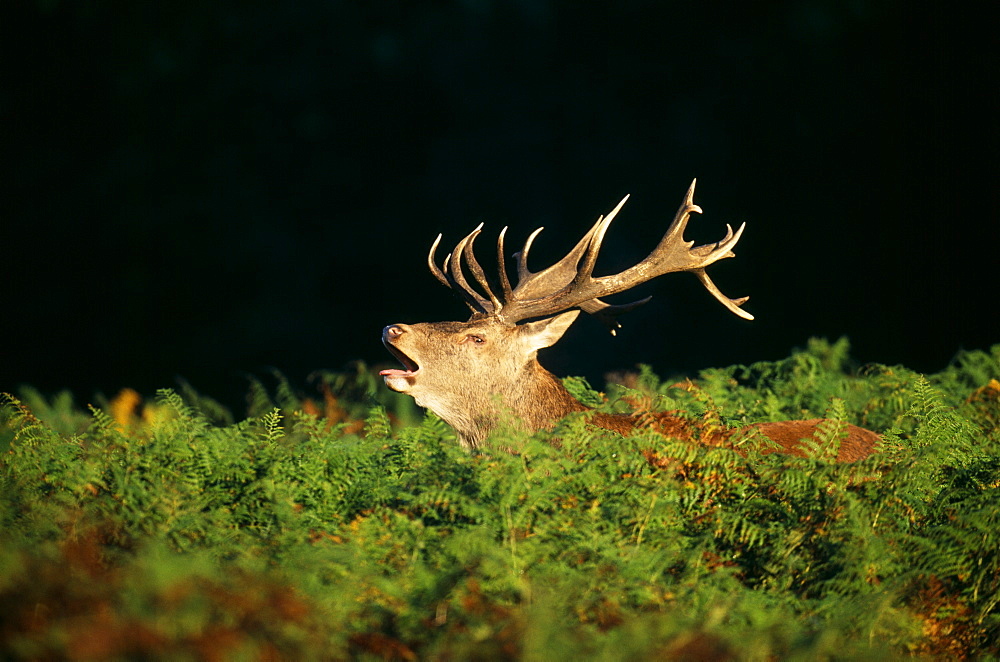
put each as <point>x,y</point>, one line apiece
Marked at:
<point>208,190</point>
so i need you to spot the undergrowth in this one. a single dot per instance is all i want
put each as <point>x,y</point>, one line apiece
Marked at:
<point>331,528</point>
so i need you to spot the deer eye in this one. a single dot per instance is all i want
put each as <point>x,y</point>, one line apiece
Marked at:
<point>479,340</point>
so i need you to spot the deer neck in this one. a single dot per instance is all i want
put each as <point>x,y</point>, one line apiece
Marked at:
<point>534,400</point>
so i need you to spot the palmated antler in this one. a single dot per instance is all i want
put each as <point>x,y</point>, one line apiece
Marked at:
<point>570,283</point>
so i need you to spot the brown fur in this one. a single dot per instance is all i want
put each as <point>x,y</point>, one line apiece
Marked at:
<point>856,443</point>
<point>475,374</point>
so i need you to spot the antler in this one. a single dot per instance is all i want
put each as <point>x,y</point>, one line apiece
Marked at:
<point>570,283</point>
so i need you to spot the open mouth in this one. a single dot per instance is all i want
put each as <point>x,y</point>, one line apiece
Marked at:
<point>409,364</point>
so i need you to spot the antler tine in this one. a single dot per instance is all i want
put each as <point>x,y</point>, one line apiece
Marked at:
<point>431,263</point>
<point>475,300</point>
<point>451,275</point>
<point>586,269</point>
<point>477,270</point>
<point>471,302</point>
<point>676,230</point>
<point>522,257</point>
<point>724,245</point>
<point>732,304</point>
<point>502,266</point>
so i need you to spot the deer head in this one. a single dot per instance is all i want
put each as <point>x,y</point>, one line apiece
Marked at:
<point>469,373</point>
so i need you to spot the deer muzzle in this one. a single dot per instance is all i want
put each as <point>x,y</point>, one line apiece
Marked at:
<point>396,379</point>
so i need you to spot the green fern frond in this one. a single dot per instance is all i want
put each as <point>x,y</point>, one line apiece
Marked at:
<point>377,425</point>
<point>271,428</point>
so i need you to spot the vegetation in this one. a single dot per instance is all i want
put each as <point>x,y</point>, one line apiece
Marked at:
<point>166,530</point>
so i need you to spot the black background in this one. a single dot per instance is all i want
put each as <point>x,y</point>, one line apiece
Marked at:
<point>208,190</point>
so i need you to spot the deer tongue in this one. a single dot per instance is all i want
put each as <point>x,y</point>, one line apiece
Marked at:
<point>409,364</point>
<point>394,372</point>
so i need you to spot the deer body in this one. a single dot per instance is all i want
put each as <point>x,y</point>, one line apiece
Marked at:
<point>478,373</point>
<point>500,379</point>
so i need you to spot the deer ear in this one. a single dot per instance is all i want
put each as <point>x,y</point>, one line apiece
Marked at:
<point>547,332</point>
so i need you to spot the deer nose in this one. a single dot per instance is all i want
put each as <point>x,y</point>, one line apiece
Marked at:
<point>391,332</point>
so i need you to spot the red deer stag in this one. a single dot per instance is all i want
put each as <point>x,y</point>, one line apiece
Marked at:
<point>472,373</point>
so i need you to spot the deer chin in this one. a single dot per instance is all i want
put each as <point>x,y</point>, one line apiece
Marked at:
<point>400,381</point>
